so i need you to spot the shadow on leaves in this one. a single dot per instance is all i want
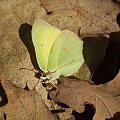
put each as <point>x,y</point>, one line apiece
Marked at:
<point>3,96</point>
<point>102,56</point>
<point>26,38</point>
<point>63,105</point>
<point>94,49</point>
<point>86,115</point>
<point>118,19</point>
<point>116,1</point>
<point>115,117</point>
<point>5,117</point>
<point>110,65</point>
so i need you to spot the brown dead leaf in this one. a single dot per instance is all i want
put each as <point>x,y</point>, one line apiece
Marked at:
<point>23,105</point>
<point>95,16</point>
<point>14,54</point>
<point>1,115</point>
<point>105,98</point>
<point>66,14</point>
<point>89,17</point>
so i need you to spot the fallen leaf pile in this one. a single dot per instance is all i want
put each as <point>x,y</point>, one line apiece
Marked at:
<point>87,18</point>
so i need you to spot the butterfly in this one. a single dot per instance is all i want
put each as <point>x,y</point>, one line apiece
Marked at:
<point>58,53</point>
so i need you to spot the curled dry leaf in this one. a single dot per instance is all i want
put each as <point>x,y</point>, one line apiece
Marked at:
<point>105,98</point>
<point>23,104</point>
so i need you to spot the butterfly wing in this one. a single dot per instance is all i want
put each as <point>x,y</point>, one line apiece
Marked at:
<point>43,37</point>
<point>67,51</point>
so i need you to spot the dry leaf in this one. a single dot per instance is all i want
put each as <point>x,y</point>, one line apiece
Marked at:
<point>105,98</point>
<point>95,16</point>
<point>89,17</point>
<point>14,54</point>
<point>1,115</point>
<point>66,14</point>
<point>23,104</point>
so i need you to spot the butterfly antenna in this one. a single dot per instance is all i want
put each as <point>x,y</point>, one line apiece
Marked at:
<point>33,70</point>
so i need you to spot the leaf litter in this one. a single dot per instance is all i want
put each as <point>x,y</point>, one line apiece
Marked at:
<point>23,104</point>
<point>90,18</point>
<point>75,94</point>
